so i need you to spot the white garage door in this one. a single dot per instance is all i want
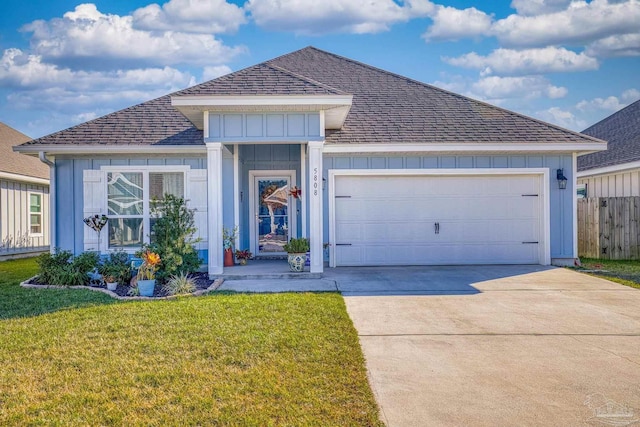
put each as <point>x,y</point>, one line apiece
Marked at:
<point>437,220</point>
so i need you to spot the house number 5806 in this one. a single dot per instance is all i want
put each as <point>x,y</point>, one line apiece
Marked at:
<point>315,181</point>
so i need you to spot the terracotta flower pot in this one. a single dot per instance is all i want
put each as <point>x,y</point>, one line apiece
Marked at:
<point>228,258</point>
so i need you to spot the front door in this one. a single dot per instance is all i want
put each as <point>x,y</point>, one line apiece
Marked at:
<point>272,219</point>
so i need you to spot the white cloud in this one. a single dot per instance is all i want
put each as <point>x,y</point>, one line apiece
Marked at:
<point>190,16</point>
<point>539,7</point>
<point>580,23</point>
<point>610,103</point>
<point>209,73</point>
<point>89,38</point>
<point>450,23</point>
<point>581,115</point>
<point>37,85</point>
<point>630,95</point>
<point>527,87</point>
<point>334,16</point>
<point>563,118</point>
<point>618,45</point>
<point>528,61</point>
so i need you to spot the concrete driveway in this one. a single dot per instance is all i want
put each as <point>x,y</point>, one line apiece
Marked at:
<point>496,345</point>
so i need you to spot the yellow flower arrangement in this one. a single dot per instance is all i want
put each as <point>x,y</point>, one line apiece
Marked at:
<point>150,263</point>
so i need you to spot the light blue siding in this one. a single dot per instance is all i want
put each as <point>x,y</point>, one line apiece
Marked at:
<point>69,194</point>
<point>267,127</point>
<point>561,201</point>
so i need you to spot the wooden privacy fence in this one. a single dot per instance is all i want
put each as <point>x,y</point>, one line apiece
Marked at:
<point>608,227</point>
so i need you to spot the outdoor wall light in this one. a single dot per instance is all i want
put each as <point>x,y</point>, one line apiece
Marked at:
<point>562,180</point>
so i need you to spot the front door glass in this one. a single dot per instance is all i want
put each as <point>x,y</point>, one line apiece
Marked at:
<point>272,214</point>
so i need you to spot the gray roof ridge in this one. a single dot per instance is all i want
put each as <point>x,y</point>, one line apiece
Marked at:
<point>457,95</point>
<point>613,115</point>
<point>303,78</point>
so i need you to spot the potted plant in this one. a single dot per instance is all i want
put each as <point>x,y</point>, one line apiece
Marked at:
<point>228,238</point>
<point>297,250</point>
<point>147,273</point>
<point>115,269</point>
<point>243,256</point>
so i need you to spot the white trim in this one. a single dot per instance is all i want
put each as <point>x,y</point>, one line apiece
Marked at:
<point>463,147</point>
<point>205,125</point>
<point>214,208</point>
<point>41,213</point>
<point>545,224</point>
<point>24,178</point>
<point>146,201</point>
<point>253,208</point>
<point>236,192</point>
<point>303,186</point>
<point>111,149</point>
<point>609,169</point>
<point>322,124</point>
<point>315,206</point>
<point>574,202</point>
<point>257,100</point>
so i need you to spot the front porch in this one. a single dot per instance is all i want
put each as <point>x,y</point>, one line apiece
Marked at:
<point>249,187</point>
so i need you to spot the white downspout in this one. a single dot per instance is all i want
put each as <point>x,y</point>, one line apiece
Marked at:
<point>52,199</point>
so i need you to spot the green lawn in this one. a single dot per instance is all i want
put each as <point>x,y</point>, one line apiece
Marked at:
<point>74,357</point>
<point>623,272</point>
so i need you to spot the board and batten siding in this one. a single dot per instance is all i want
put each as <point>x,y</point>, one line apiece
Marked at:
<point>561,201</point>
<point>69,194</point>
<point>14,213</point>
<point>621,184</point>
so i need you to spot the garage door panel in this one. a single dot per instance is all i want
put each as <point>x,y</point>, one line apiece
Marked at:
<point>390,220</point>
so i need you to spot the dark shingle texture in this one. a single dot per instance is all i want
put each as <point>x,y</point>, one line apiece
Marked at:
<point>622,131</point>
<point>261,79</point>
<point>387,108</point>
<point>16,163</point>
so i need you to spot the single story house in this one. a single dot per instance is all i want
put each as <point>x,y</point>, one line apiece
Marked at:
<point>615,172</point>
<point>392,171</point>
<point>24,198</point>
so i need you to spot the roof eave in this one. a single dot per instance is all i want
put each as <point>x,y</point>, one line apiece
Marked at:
<point>193,106</point>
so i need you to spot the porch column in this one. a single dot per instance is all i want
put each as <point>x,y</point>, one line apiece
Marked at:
<point>214,207</point>
<point>315,205</point>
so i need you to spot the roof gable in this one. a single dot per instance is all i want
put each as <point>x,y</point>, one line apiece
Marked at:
<point>16,163</point>
<point>622,131</point>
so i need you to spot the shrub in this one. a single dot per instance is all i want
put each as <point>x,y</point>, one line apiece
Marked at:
<point>172,237</point>
<point>62,269</point>
<point>297,246</point>
<point>117,266</point>
<point>180,284</point>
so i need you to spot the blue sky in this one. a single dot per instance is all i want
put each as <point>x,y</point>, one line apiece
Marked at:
<point>567,62</point>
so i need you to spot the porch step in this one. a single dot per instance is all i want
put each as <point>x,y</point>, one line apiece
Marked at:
<point>238,275</point>
<point>262,269</point>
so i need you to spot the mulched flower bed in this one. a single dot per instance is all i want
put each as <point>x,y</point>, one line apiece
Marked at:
<point>201,280</point>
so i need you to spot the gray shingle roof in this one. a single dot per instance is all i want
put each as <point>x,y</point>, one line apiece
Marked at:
<point>387,108</point>
<point>622,131</point>
<point>17,163</point>
<point>261,79</point>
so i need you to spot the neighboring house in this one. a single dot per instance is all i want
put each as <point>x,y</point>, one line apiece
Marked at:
<point>615,172</point>
<point>24,198</point>
<point>392,171</point>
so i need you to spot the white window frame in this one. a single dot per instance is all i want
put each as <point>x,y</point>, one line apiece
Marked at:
<point>41,213</point>
<point>146,202</point>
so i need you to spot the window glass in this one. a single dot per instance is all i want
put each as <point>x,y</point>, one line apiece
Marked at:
<point>125,193</point>
<point>125,232</point>
<point>35,213</point>
<point>161,183</point>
